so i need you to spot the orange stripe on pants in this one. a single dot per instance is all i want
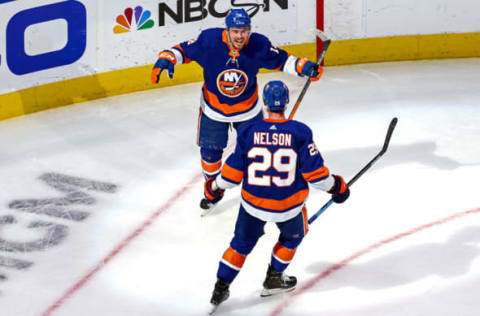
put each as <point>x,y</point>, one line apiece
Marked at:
<point>198,126</point>
<point>305,220</point>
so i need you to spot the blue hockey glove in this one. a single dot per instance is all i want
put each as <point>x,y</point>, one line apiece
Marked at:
<point>212,195</point>
<point>166,60</point>
<point>307,68</point>
<point>340,191</point>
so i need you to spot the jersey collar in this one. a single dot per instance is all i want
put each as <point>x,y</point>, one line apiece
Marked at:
<point>234,53</point>
<point>275,121</point>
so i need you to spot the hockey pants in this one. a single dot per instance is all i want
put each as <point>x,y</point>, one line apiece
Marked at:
<point>212,137</point>
<point>248,229</point>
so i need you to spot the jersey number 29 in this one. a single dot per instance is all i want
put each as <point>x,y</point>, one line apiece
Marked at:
<point>284,160</point>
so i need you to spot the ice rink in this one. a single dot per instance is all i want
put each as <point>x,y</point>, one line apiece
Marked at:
<point>100,202</point>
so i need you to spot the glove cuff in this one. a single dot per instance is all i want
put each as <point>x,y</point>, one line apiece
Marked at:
<point>301,62</point>
<point>339,186</point>
<point>168,55</point>
<point>212,191</point>
<point>320,73</point>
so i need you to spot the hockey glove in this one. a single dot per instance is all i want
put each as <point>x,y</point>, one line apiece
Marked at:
<point>166,60</point>
<point>210,194</point>
<point>307,68</point>
<point>340,191</point>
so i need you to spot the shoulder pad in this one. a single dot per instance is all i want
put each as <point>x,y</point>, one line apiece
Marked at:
<point>211,37</point>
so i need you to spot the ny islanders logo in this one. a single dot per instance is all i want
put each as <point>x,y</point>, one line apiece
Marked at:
<point>232,82</point>
<point>142,20</point>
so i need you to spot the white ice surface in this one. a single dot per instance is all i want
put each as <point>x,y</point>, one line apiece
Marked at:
<point>145,144</point>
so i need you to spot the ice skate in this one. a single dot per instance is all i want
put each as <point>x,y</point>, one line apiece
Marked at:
<point>219,295</point>
<point>277,282</point>
<point>213,195</point>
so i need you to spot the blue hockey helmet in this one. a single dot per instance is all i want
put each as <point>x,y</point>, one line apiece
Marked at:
<point>275,95</point>
<point>237,18</point>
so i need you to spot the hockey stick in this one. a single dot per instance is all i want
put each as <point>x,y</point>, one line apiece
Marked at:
<point>391,127</point>
<point>326,43</point>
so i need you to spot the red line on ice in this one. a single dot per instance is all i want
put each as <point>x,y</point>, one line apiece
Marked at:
<point>77,286</point>
<point>307,286</point>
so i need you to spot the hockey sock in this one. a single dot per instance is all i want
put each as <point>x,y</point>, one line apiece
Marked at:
<point>230,265</point>
<point>234,257</point>
<point>283,254</point>
<point>211,162</point>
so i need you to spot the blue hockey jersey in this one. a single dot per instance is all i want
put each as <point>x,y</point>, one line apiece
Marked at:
<point>275,160</point>
<point>230,91</point>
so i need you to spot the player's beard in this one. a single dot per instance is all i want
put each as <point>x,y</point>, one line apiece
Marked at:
<point>237,45</point>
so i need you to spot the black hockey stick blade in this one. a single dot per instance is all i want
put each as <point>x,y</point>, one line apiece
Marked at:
<point>390,130</point>
<point>391,127</point>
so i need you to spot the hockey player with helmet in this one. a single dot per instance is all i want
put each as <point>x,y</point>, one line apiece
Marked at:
<point>231,59</point>
<point>276,161</point>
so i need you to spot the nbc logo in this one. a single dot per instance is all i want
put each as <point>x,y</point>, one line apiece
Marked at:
<point>142,20</point>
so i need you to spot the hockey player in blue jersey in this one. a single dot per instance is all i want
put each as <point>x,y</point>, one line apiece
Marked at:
<point>231,59</point>
<point>276,161</point>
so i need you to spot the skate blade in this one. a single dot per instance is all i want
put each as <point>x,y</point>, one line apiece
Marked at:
<point>207,211</point>
<point>213,309</point>
<point>267,292</point>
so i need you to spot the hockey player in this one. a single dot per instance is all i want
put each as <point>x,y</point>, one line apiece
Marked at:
<point>275,160</point>
<point>231,59</point>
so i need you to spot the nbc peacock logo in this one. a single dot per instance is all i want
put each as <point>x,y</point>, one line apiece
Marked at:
<point>142,20</point>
